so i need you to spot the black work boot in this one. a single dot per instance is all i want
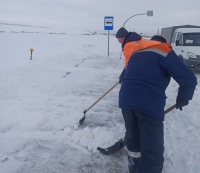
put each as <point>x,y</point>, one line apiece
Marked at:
<point>132,164</point>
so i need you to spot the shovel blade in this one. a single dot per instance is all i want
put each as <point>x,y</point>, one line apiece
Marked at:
<point>81,120</point>
<point>112,149</point>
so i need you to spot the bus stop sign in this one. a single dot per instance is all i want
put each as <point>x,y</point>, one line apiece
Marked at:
<point>108,23</point>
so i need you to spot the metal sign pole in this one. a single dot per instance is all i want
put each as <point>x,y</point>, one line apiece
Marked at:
<point>108,25</point>
<point>108,42</point>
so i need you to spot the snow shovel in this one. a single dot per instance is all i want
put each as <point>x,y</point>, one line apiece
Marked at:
<point>82,119</point>
<point>121,144</point>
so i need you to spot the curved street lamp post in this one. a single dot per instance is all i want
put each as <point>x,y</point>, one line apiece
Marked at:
<point>149,13</point>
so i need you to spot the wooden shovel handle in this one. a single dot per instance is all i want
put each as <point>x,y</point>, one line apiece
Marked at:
<point>101,97</point>
<point>170,109</point>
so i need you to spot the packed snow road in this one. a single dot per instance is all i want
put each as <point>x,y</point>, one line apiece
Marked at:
<point>42,101</point>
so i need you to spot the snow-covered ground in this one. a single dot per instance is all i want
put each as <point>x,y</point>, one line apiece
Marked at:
<point>42,101</point>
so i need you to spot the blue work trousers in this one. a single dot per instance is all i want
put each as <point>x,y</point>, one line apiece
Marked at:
<point>145,134</point>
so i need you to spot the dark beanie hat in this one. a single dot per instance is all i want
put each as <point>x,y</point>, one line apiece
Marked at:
<point>159,38</point>
<point>122,32</point>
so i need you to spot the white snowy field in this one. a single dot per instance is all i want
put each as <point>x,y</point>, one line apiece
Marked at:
<point>42,101</point>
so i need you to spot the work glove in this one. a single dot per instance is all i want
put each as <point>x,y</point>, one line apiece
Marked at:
<point>181,103</point>
<point>122,76</point>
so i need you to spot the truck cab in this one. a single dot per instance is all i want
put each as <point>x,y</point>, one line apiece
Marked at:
<point>186,44</point>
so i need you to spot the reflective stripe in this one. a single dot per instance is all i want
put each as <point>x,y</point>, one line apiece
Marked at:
<point>134,154</point>
<point>154,50</point>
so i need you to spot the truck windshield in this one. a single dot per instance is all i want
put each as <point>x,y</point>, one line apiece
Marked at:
<point>191,39</point>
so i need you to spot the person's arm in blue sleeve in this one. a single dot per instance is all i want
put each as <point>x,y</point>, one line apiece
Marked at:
<point>122,75</point>
<point>183,76</point>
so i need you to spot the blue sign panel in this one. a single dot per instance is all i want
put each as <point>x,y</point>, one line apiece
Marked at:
<point>108,23</point>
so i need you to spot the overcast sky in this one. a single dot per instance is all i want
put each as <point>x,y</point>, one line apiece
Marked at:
<point>89,14</point>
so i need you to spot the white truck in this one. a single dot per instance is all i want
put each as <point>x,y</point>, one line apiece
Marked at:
<point>185,40</point>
